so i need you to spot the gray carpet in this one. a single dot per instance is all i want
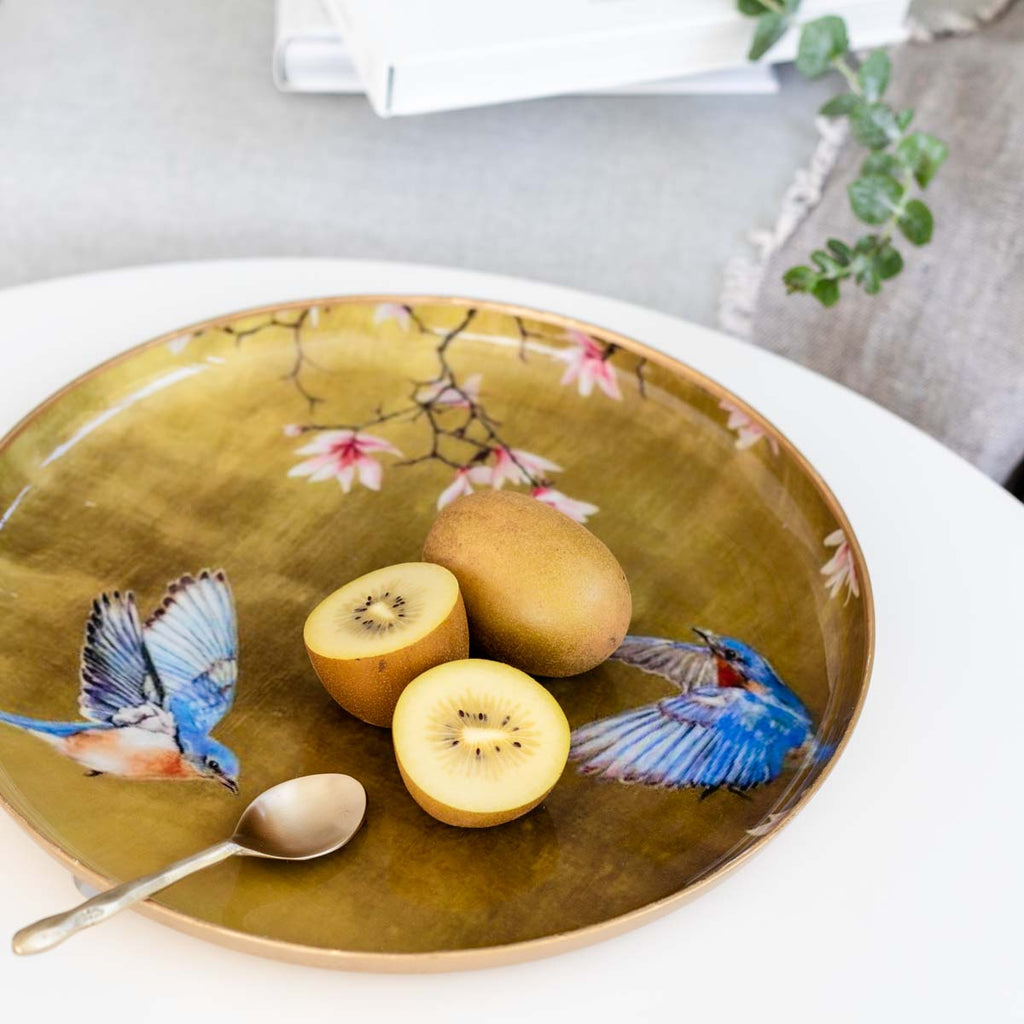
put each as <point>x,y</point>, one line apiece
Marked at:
<point>943,346</point>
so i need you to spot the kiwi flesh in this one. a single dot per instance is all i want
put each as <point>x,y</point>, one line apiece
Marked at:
<point>479,743</point>
<point>371,637</point>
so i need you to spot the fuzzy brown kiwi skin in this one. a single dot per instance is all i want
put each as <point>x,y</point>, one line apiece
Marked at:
<point>542,592</point>
<point>461,818</point>
<point>369,687</point>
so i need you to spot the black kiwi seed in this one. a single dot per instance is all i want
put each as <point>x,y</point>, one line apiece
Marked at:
<point>516,743</point>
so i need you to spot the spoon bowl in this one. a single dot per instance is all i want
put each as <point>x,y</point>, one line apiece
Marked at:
<point>302,818</point>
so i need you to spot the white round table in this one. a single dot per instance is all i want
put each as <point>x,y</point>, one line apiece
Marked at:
<point>895,894</point>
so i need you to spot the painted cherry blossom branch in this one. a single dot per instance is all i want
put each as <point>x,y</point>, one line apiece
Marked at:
<point>641,383</point>
<point>525,334</point>
<point>434,401</point>
<point>431,398</point>
<point>474,445</point>
<point>294,375</point>
<point>301,358</point>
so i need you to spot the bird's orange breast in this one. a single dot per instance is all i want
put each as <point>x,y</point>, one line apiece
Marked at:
<point>113,751</point>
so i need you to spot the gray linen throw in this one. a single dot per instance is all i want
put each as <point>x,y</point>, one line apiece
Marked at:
<point>943,345</point>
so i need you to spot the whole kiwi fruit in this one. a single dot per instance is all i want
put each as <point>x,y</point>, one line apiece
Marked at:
<point>542,593</point>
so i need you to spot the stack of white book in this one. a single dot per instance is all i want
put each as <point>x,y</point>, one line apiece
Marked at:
<point>415,56</point>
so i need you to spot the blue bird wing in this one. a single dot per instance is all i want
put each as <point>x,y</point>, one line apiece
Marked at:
<point>707,738</point>
<point>117,679</point>
<point>193,642</point>
<point>687,666</point>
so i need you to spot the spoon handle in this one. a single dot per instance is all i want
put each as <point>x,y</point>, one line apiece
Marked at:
<point>51,931</point>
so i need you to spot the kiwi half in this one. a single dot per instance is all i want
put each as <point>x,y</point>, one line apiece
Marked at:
<point>368,639</point>
<point>478,742</point>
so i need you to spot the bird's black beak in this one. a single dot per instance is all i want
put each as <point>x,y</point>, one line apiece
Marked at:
<point>228,784</point>
<point>709,638</point>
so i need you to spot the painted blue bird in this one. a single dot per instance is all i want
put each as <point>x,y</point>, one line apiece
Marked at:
<point>151,694</point>
<point>732,726</point>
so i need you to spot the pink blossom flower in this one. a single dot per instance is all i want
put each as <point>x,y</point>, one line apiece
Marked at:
<point>292,430</point>
<point>588,366</point>
<point>748,431</point>
<point>456,489</point>
<point>513,465</point>
<point>342,454</point>
<point>392,311</point>
<point>578,510</point>
<point>839,569</point>
<point>443,392</point>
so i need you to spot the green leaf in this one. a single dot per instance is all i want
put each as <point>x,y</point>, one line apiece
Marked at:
<point>771,27</point>
<point>826,292</point>
<point>821,42</point>
<point>874,197</point>
<point>916,222</point>
<point>869,279</point>
<point>922,154</point>
<point>882,163</point>
<point>889,262</point>
<point>873,75</point>
<point>903,119</point>
<point>751,8</point>
<point>875,261</point>
<point>841,251</point>
<point>874,125</point>
<point>841,105</point>
<point>829,266</point>
<point>799,279</point>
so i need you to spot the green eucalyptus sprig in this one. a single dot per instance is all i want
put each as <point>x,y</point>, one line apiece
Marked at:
<point>884,195</point>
